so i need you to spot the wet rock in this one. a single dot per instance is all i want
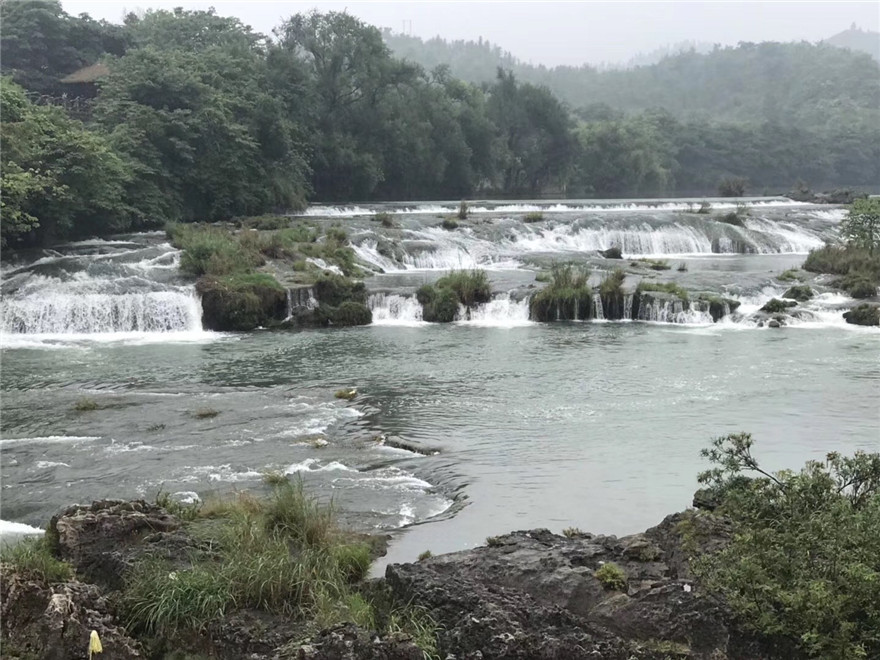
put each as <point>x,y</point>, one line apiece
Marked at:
<point>612,253</point>
<point>101,540</point>
<point>54,621</point>
<point>348,642</point>
<point>535,595</point>
<point>863,315</point>
<point>773,323</point>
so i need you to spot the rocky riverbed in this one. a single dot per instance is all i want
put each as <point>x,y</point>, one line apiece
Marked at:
<point>527,594</point>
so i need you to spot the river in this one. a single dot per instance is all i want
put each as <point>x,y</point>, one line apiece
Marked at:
<point>593,425</point>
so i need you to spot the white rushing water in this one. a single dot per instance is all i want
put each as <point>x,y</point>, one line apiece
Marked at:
<point>106,291</point>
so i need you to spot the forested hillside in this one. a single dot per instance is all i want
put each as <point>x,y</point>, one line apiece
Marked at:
<point>191,116</point>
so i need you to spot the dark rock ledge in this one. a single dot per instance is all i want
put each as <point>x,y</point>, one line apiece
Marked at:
<point>528,594</point>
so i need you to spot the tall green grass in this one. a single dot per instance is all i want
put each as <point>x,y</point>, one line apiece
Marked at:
<point>567,296</point>
<point>34,555</point>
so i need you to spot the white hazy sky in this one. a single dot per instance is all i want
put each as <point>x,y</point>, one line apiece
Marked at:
<point>554,33</point>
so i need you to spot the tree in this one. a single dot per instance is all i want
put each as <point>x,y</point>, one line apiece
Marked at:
<point>861,227</point>
<point>59,179</point>
<point>803,563</point>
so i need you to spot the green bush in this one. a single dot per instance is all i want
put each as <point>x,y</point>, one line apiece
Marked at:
<point>470,286</point>
<point>837,260</point>
<point>266,222</point>
<point>34,555</point>
<point>438,305</point>
<point>665,287</point>
<point>777,306</point>
<point>533,216</point>
<point>611,576</point>
<point>864,314</point>
<point>790,275</point>
<point>567,296</point>
<point>653,264</point>
<point>449,224</point>
<point>802,560</point>
<point>799,292</point>
<point>384,218</point>
<point>333,290</point>
<point>463,210</point>
<point>731,218</point>
<point>85,404</point>
<point>732,186</point>
<point>857,285</point>
<point>351,313</point>
<point>209,250</point>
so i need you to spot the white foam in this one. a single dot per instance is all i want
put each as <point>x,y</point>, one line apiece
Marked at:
<point>323,265</point>
<point>43,465</point>
<point>312,465</point>
<point>501,312</point>
<point>9,527</point>
<point>393,309</point>
<point>48,439</point>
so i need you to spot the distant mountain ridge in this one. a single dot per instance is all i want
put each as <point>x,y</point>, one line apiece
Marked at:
<point>856,39</point>
<point>796,84</point>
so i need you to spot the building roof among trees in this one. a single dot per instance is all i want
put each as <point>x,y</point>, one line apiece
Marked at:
<point>87,74</point>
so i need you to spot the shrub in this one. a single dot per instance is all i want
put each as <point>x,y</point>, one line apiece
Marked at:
<point>790,275</point>
<point>567,297</point>
<point>777,306</point>
<point>732,186</point>
<point>347,393</point>
<point>85,404</point>
<point>613,283</point>
<point>801,563</point>
<point>705,207</point>
<point>799,292</point>
<point>838,260</point>
<point>494,541</point>
<point>665,287</point>
<point>337,235</point>
<point>351,313</point>
<point>211,250</point>
<point>654,264</point>
<point>470,286</point>
<point>864,314</point>
<point>449,224</point>
<point>438,305</point>
<point>274,478</point>
<point>334,290</point>
<point>861,227</point>
<point>463,210</point>
<point>384,218</point>
<point>533,216</point>
<point>205,413</point>
<point>572,532</point>
<point>427,554</point>
<point>857,285</point>
<point>611,576</point>
<point>266,222</point>
<point>34,555</point>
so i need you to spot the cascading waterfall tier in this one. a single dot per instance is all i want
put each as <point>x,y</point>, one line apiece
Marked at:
<point>100,288</point>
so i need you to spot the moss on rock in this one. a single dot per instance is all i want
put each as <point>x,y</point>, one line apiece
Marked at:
<point>777,306</point>
<point>799,292</point>
<point>864,314</point>
<point>241,301</point>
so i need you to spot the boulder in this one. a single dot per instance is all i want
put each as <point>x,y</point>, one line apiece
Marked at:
<point>101,540</point>
<point>348,642</point>
<point>864,314</point>
<point>54,621</point>
<point>535,595</point>
<point>612,253</point>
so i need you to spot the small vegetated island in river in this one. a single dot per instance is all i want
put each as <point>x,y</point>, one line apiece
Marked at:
<point>299,397</point>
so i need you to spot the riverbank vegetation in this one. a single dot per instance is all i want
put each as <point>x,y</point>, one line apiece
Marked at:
<point>802,564</point>
<point>441,300</point>
<point>189,116</point>
<point>568,295</point>
<point>856,258</point>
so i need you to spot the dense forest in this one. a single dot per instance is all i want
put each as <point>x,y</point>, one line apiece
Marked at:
<point>188,115</point>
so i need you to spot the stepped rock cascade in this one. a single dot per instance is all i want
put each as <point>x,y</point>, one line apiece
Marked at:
<point>391,309</point>
<point>675,311</point>
<point>100,288</point>
<point>496,235</point>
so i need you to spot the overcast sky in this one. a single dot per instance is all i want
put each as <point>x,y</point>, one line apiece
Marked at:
<point>555,32</point>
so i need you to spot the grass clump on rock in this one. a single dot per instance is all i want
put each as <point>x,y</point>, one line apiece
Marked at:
<point>440,301</point>
<point>789,275</point>
<point>533,216</point>
<point>777,306</point>
<point>858,267</point>
<point>449,224</point>
<point>612,295</point>
<point>284,555</point>
<point>35,556</point>
<point>209,250</point>
<point>611,576</point>
<point>85,404</point>
<point>343,302</point>
<point>799,292</point>
<point>347,393</point>
<point>864,314</point>
<point>665,287</point>
<point>242,301</point>
<point>567,296</point>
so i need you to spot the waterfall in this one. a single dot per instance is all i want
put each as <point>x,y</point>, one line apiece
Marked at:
<point>300,298</point>
<point>628,306</point>
<point>503,311</point>
<point>598,310</point>
<point>674,311</point>
<point>94,313</point>
<point>103,289</point>
<point>394,309</point>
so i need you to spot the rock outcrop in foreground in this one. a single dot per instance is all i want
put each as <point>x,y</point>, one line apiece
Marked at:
<point>528,594</point>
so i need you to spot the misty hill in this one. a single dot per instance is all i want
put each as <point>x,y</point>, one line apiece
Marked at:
<point>856,39</point>
<point>796,84</point>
